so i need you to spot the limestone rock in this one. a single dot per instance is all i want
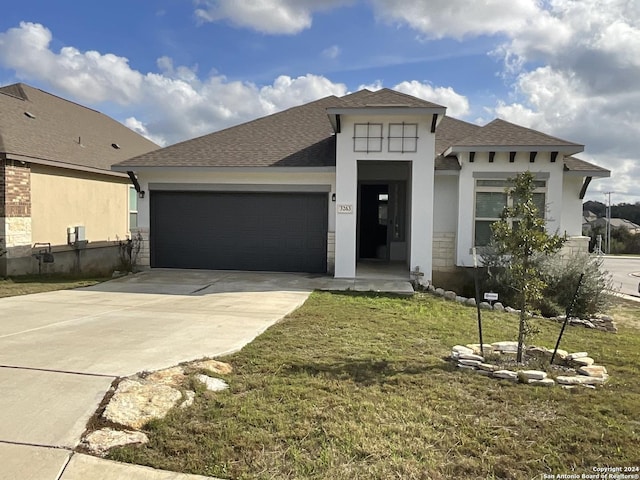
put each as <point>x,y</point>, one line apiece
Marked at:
<point>510,310</point>
<point>471,302</point>
<point>470,363</point>
<point>457,350</point>
<point>431,288</point>
<point>506,375</point>
<point>505,346</point>
<point>573,356</point>
<point>460,299</point>
<point>466,367</point>
<point>498,307</point>
<point>173,377</point>
<point>439,292</point>
<point>214,366</point>
<point>101,441</point>
<point>538,352</point>
<point>449,295</point>
<point>212,384</point>
<point>593,371</point>
<point>488,367</point>
<point>486,306</point>
<point>470,356</point>
<point>483,372</point>
<point>583,361</point>
<point>134,403</point>
<point>532,374</point>
<point>581,380</point>
<point>188,401</point>
<point>545,382</point>
<point>486,348</point>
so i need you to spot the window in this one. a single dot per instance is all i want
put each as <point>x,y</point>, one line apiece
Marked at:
<point>491,200</point>
<point>367,137</point>
<point>133,207</point>
<point>403,137</point>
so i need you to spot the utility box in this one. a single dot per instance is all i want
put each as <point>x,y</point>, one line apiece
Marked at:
<point>76,234</point>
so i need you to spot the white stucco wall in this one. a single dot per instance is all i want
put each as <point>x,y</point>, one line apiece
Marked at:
<point>572,206</point>
<point>419,190</point>
<point>501,165</point>
<point>445,203</point>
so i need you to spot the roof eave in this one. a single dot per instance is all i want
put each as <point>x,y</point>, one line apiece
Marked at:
<point>66,166</point>
<point>382,110</point>
<point>204,169</point>
<point>564,149</point>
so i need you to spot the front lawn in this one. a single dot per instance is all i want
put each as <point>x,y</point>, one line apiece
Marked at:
<point>357,387</point>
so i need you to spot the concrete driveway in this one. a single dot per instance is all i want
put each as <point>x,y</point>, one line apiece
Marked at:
<point>60,352</point>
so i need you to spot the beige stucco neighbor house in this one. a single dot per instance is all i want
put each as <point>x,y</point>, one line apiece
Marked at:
<point>56,183</point>
<point>370,180</point>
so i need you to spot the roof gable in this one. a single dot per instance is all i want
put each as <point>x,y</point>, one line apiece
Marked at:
<point>38,126</point>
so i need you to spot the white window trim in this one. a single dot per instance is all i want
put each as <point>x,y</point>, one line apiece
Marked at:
<point>368,137</point>
<point>403,137</point>
<point>136,211</point>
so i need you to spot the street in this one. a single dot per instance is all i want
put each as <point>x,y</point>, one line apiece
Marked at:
<point>625,272</point>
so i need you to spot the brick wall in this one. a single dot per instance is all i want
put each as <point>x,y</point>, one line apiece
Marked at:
<point>15,189</point>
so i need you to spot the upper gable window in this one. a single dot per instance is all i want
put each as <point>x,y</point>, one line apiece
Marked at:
<point>403,137</point>
<point>367,137</point>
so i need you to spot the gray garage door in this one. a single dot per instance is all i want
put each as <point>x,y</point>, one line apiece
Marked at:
<point>284,232</point>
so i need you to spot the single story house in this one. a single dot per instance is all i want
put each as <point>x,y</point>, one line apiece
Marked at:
<point>380,178</point>
<point>58,194</point>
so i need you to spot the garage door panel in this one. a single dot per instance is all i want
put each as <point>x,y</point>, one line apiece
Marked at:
<point>239,231</point>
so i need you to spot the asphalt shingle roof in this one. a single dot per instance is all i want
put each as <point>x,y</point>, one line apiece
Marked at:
<point>41,126</point>
<point>500,133</point>
<point>303,137</point>
<point>573,164</point>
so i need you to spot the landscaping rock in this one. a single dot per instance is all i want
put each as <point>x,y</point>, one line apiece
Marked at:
<point>431,288</point>
<point>173,377</point>
<point>593,371</point>
<point>486,348</point>
<point>470,363</point>
<point>573,356</point>
<point>449,295</point>
<point>483,372</point>
<point>470,356</point>
<point>471,302</point>
<point>583,361</point>
<point>506,375</point>
<point>460,349</point>
<point>498,307</point>
<point>466,367</point>
<point>214,366</point>
<point>460,299</point>
<point>538,352</point>
<point>486,306</point>
<point>581,380</point>
<point>439,292</point>
<point>532,374</point>
<point>134,403</point>
<point>488,367</point>
<point>505,346</point>
<point>510,310</point>
<point>545,382</point>
<point>190,398</point>
<point>212,384</point>
<point>101,441</point>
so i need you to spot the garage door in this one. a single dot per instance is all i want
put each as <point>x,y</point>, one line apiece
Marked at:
<point>284,232</point>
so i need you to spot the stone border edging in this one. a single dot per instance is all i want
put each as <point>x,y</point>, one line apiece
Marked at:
<point>468,357</point>
<point>604,323</point>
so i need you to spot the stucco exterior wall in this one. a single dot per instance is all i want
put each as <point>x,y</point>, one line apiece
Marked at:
<point>501,165</point>
<point>419,190</point>
<point>572,206</point>
<point>66,198</point>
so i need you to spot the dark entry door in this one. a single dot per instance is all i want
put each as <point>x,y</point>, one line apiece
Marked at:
<point>373,209</point>
<point>239,231</point>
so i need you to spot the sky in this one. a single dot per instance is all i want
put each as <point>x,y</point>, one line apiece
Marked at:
<point>176,69</point>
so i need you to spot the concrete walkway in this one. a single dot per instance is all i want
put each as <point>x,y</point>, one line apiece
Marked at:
<point>60,352</point>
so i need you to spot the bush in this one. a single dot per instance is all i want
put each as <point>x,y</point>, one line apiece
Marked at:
<point>561,275</point>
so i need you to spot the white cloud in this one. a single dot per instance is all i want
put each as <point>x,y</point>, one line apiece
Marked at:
<point>266,16</point>
<point>170,106</point>
<point>331,52</point>
<point>458,18</point>
<point>457,105</point>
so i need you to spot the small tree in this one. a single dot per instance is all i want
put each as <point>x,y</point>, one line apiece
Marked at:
<point>521,236</point>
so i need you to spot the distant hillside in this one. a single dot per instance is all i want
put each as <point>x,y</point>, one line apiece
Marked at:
<point>630,211</point>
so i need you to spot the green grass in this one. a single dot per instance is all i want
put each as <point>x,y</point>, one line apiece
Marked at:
<point>24,285</point>
<point>358,387</point>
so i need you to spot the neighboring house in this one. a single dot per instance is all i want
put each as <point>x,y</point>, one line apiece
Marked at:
<point>615,223</point>
<point>56,184</point>
<point>327,186</point>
